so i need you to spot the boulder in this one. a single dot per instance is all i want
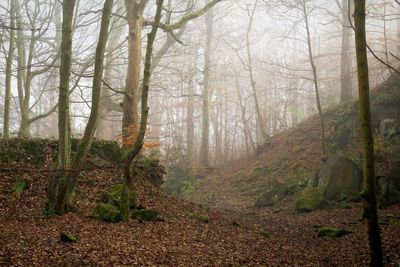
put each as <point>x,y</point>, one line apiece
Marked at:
<point>67,237</point>
<point>107,212</point>
<point>200,217</point>
<point>272,195</point>
<point>311,198</point>
<point>341,178</point>
<point>389,127</point>
<point>331,231</point>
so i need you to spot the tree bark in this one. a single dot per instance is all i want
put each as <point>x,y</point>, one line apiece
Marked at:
<point>315,77</point>
<point>130,117</point>
<point>137,146</point>
<point>190,127</point>
<point>64,130</point>
<point>69,181</point>
<point>369,196</point>
<point>205,126</point>
<point>260,118</point>
<point>346,85</point>
<point>104,129</point>
<point>10,56</point>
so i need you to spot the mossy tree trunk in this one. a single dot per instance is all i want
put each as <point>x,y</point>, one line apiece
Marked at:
<point>137,146</point>
<point>64,130</point>
<point>368,194</point>
<point>69,179</point>
<point>21,63</point>
<point>10,56</point>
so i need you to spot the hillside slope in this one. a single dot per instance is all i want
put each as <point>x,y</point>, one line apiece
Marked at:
<point>294,156</point>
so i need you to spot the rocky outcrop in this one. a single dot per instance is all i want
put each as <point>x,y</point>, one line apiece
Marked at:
<point>340,178</point>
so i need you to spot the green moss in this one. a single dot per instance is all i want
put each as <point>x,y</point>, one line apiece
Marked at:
<point>113,197</point>
<point>107,150</point>
<point>200,217</point>
<point>66,237</point>
<point>205,207</point>
<point>149,215</point>
<point>310,199</point>
<point>263,234</point>
<point>331,232</point>
<point>107,212</point>
<point>23,150</point>
<point>19,186</point>
<point>364,194</point>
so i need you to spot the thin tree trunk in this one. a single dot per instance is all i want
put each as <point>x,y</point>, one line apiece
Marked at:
<point>315,77</point>
<point>205,126</point>
<point>104,129</point>
<point>21,68</point>
<point>368,194</point>
<point>260,118</point>
<point>70,179</point>
<point>190,127</point>
<point>10,56</point>
<point>64,130</point>
<point>346,91</point>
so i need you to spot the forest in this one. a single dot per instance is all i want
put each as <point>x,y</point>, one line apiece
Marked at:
<point>200,133</point>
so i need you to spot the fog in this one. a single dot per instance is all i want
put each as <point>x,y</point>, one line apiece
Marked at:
<point>208,72</point>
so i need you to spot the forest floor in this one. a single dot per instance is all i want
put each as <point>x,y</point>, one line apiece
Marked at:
<point>233,237</point>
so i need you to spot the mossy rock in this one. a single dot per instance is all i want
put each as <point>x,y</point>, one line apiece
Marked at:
<point>200,217</point>
<point>310,199</point>
<point>331,232</point>
<point>107,212</point>
<point>266,199</point>
<point>149,215</point>
<point>113,197</point>
<point>341,177</point>
<point>107,150</point>
<point>19,186</point>
<point>69,238</point>
<point>263,234</point>
<point>23,150</point>
<point>275,192</point>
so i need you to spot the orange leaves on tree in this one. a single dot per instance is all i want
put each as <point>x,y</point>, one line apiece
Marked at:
<point>130,135</point>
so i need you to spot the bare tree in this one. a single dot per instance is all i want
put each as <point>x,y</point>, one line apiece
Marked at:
<point>370,214</point>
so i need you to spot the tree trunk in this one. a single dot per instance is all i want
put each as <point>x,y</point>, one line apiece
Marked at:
<point>205,126</point>
<point>10,56</point>
<point>104,129</point>
<point>315,77</point>
<point>64,135</point>
<point>346,85</point>
<point>137,146</point>
<point>130,117</point>
<point>190,127</point>
<point>21,70</point>
<point>69,181</point>
<point>260,118</point>
<point>370,208</point>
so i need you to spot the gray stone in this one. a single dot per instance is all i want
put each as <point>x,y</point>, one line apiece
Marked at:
<point>341,177</point>
<point>272,195</point>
